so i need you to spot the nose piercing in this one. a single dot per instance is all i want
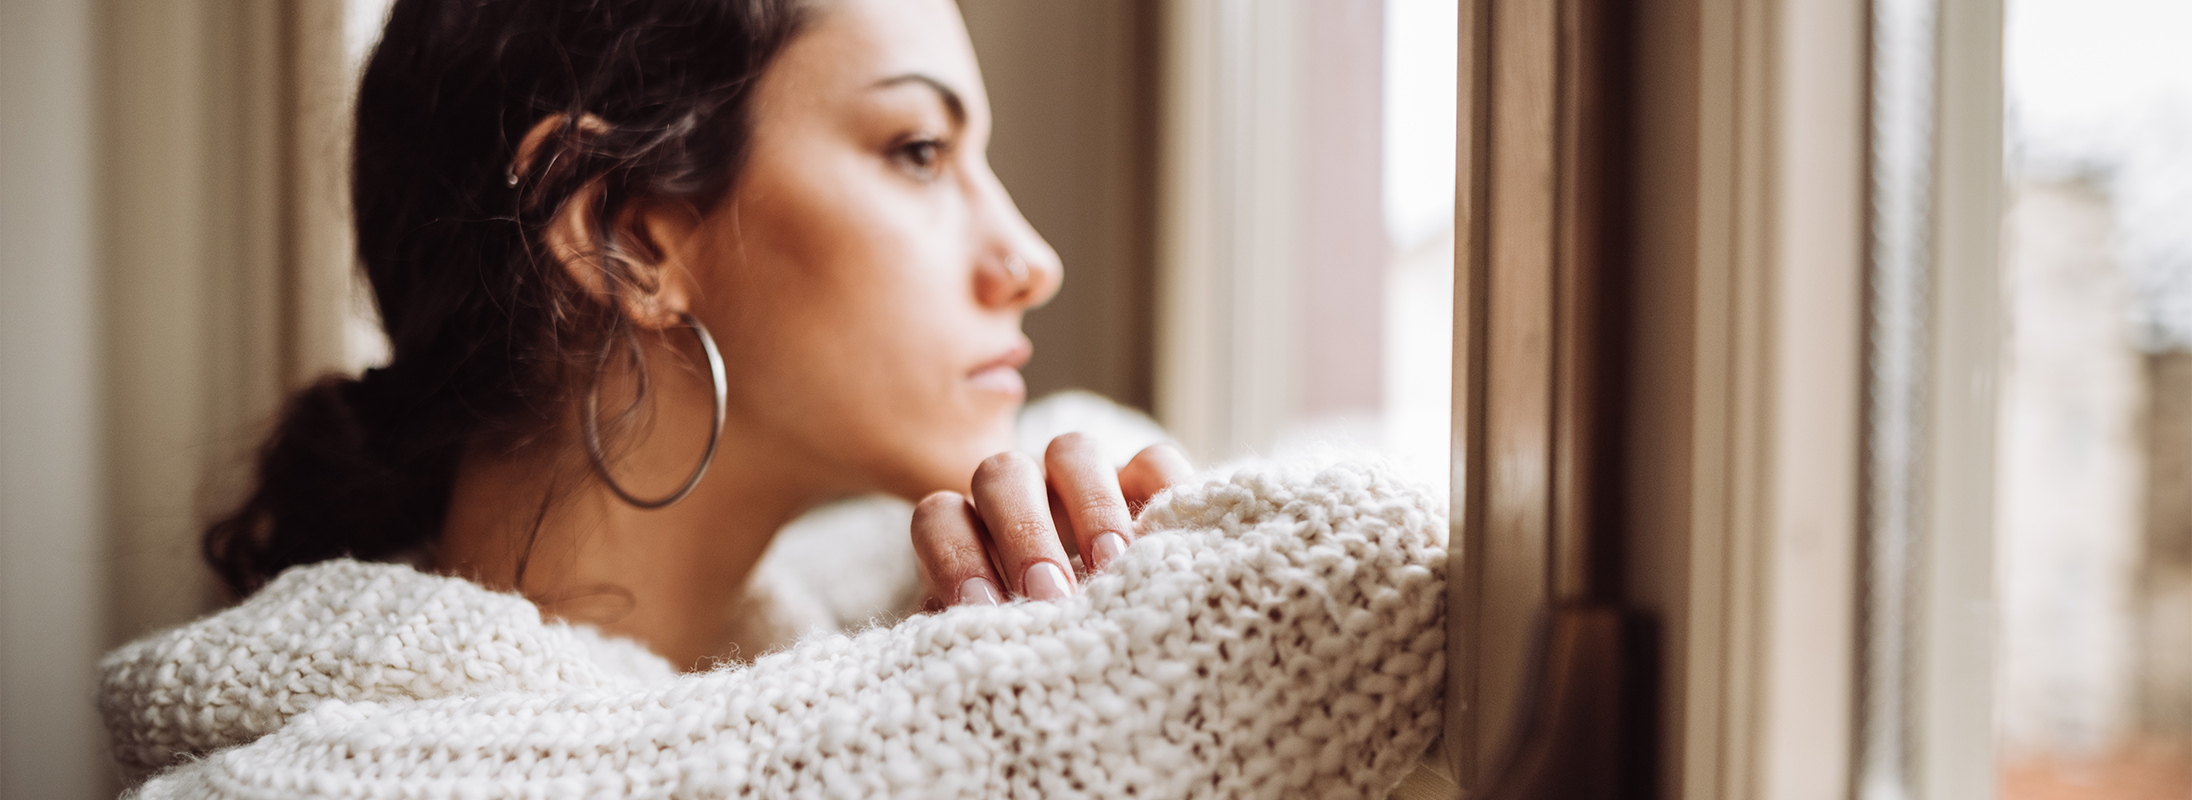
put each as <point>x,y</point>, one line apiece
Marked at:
<point>1017,268</point>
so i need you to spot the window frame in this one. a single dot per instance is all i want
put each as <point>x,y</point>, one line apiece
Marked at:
<point>1737,419</point>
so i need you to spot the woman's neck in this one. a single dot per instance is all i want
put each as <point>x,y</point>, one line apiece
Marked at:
<point>543,525</point>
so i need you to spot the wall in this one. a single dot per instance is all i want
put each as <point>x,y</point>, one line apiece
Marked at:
<point>51,498</point>
<point>1071,87</point>
<point>161,229</point>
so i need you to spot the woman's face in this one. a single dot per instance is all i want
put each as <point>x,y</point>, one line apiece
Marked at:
<point>866,277</point>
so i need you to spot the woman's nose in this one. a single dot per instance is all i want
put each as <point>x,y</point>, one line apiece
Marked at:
<point>1019,281</point>
<point>1017,269</point>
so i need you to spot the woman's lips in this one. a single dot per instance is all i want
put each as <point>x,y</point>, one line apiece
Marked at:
<point>1002,374</point>
<point>1001,379</point>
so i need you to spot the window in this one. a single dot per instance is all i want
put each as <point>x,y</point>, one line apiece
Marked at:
<point>2094,521</point>
<point>1307,245</point>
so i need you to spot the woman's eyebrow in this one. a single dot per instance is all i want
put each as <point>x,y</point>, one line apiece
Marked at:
<point>944,92</point>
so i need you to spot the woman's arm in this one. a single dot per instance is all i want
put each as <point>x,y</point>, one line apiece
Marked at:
<point>1274,634</point>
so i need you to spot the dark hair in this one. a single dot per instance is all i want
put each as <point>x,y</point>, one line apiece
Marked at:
<point>488,332</point>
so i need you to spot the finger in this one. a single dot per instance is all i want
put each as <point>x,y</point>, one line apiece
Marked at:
<point>953,552</point>
<point>1153,470</point>
<point>1009,496</point>
<point>1088,492</point>
<point>1064,523</point>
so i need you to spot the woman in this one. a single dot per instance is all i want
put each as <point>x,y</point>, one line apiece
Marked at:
<point>659,276</point>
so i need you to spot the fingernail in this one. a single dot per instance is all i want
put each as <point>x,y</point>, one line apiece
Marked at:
<point>1045,581</point>
<point>978,591</point>
<point>1106,548</point>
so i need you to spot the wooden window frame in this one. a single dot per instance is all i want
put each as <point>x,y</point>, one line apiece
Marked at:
<point>1721,378</point>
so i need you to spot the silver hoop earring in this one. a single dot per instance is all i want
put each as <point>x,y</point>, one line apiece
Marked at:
<point>592,423</point>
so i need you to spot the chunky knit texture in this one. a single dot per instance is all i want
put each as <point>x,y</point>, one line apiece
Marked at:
<point>850,565</point>
<point>1275,633</point>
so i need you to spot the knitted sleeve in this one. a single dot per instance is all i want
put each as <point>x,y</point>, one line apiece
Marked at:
<point>1270,635</point>
<point>341,630</point>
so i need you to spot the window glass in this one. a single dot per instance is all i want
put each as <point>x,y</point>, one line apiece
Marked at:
<point>1421,50</point>
<point>2095,475</point>
<point>1374,161</point>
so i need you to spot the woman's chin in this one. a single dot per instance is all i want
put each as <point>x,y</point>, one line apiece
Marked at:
<point>950,465</point>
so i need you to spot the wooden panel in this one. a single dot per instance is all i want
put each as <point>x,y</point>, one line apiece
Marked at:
<point>1472,153</point>
<point>1532,388</point>
<point>1518,359</point>
<point>1589,118</point>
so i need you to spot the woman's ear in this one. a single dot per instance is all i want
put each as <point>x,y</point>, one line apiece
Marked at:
<point>655,288</point>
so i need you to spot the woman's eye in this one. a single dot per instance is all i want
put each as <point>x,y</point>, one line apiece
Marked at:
<point>922,157</point>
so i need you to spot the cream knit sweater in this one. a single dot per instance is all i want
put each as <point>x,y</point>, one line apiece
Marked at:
<point>1273,633</point>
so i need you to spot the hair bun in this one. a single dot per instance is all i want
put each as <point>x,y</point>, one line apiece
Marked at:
<point>334,480</point>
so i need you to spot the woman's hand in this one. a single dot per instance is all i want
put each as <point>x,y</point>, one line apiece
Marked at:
<point>1011,538</point>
